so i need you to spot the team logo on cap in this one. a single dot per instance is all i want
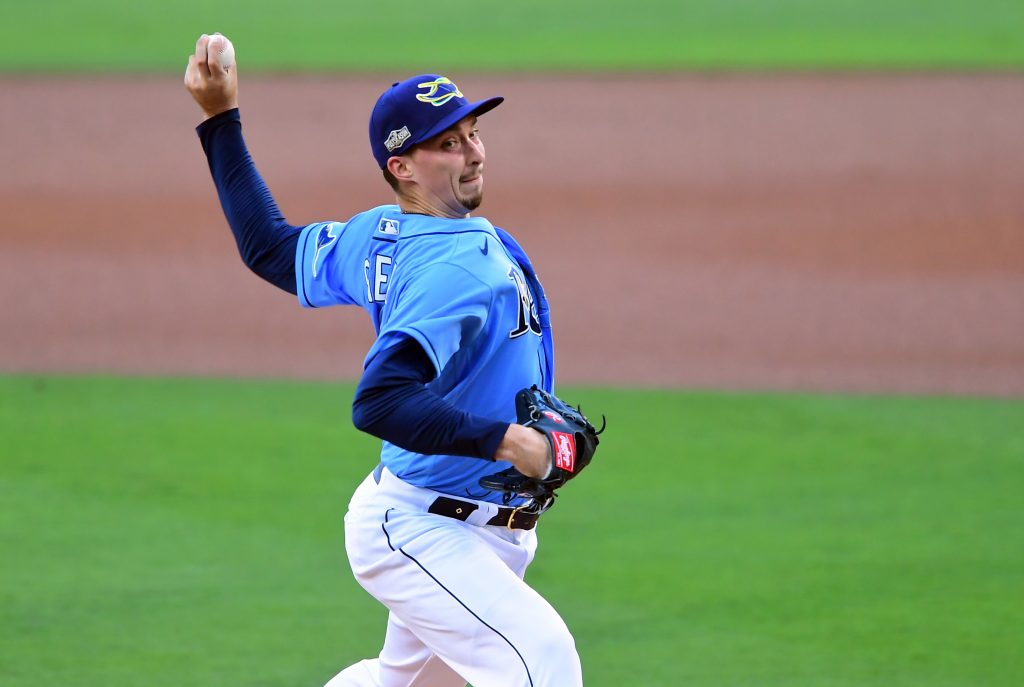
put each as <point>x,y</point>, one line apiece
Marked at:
<point>396,138</point>
<point>439,91</point>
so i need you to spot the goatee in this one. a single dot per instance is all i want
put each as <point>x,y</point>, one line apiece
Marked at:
<point>473,202</point>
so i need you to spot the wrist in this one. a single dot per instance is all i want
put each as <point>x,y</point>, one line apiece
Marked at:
<point>527,449</point>
<point>213,112</point>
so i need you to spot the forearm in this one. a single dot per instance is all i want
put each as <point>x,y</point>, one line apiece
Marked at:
<point>266,242</point>
<point>393,403</point>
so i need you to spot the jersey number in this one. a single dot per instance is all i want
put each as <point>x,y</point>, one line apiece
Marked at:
<point>377,287</point>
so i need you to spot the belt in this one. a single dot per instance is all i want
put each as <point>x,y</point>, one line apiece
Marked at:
<point>522,518</point>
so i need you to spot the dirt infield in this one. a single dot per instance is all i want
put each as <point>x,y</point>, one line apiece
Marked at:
<point>857,233</point>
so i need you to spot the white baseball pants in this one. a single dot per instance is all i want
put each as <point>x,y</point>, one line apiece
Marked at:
<point>460,610</point>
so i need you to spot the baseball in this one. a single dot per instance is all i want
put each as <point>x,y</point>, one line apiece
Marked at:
<point>222,47</point>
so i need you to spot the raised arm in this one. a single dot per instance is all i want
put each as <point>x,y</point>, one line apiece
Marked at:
<point>266,242</point>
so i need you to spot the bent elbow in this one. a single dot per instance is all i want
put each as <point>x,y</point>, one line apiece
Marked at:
<point>252,257</point>
<point>361,416</point>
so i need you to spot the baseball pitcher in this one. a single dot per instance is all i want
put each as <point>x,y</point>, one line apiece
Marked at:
<point>458,384</point>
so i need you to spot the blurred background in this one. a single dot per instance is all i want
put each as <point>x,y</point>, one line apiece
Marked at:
<point>784,245</point>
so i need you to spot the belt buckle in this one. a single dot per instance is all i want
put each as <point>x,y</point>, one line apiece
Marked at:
<point>512,517</point>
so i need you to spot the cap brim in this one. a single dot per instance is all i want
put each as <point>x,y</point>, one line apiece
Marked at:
<point>456,116</point>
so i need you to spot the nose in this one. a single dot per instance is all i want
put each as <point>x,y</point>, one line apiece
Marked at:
<point>475,152</point>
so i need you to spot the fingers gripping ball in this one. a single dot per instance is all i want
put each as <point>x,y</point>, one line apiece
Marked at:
<point>572,437</point>
<point>221,49</point>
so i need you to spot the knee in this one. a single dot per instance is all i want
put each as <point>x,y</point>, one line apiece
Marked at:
<point>556,662</point>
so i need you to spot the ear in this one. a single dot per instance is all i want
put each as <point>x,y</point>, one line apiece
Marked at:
<point>399,167</point>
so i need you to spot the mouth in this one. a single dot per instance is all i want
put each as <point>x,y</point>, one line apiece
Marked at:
<point>471,178</point>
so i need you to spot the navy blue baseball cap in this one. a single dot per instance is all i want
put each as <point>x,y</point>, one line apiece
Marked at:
<point>413,110</point>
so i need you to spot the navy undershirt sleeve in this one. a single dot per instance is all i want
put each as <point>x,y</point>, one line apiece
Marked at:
<point>265,240</point>
<point>393,403</point>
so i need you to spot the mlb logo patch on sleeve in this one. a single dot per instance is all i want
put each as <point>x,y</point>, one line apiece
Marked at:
<point>565,450</point>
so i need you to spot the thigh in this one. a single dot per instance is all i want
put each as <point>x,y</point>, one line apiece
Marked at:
<point>452,587</point>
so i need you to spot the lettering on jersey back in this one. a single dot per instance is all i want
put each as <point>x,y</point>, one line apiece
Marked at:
<point>528,319</point>
<point>377,277</point>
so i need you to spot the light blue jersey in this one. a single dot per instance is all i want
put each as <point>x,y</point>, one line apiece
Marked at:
<point>461,288</point>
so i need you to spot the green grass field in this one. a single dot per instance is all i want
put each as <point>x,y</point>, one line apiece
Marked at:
<point>169,532</point>
<point>188,532</point>
<point>536,35</point>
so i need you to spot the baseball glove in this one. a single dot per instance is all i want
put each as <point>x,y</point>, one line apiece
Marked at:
<point>573,441</point>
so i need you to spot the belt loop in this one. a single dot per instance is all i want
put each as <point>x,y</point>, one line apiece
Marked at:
<point>482,515</point>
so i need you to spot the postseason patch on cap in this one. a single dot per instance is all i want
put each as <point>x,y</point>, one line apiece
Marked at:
<point>396,138</point>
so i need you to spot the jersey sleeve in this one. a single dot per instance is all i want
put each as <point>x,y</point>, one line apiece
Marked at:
<point>443,306</point>
<point>328,266</point>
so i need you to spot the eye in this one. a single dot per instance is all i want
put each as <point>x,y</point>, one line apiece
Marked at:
<point>450,144</point>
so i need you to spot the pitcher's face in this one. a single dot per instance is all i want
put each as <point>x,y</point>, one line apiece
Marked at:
<point>449,167</point>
